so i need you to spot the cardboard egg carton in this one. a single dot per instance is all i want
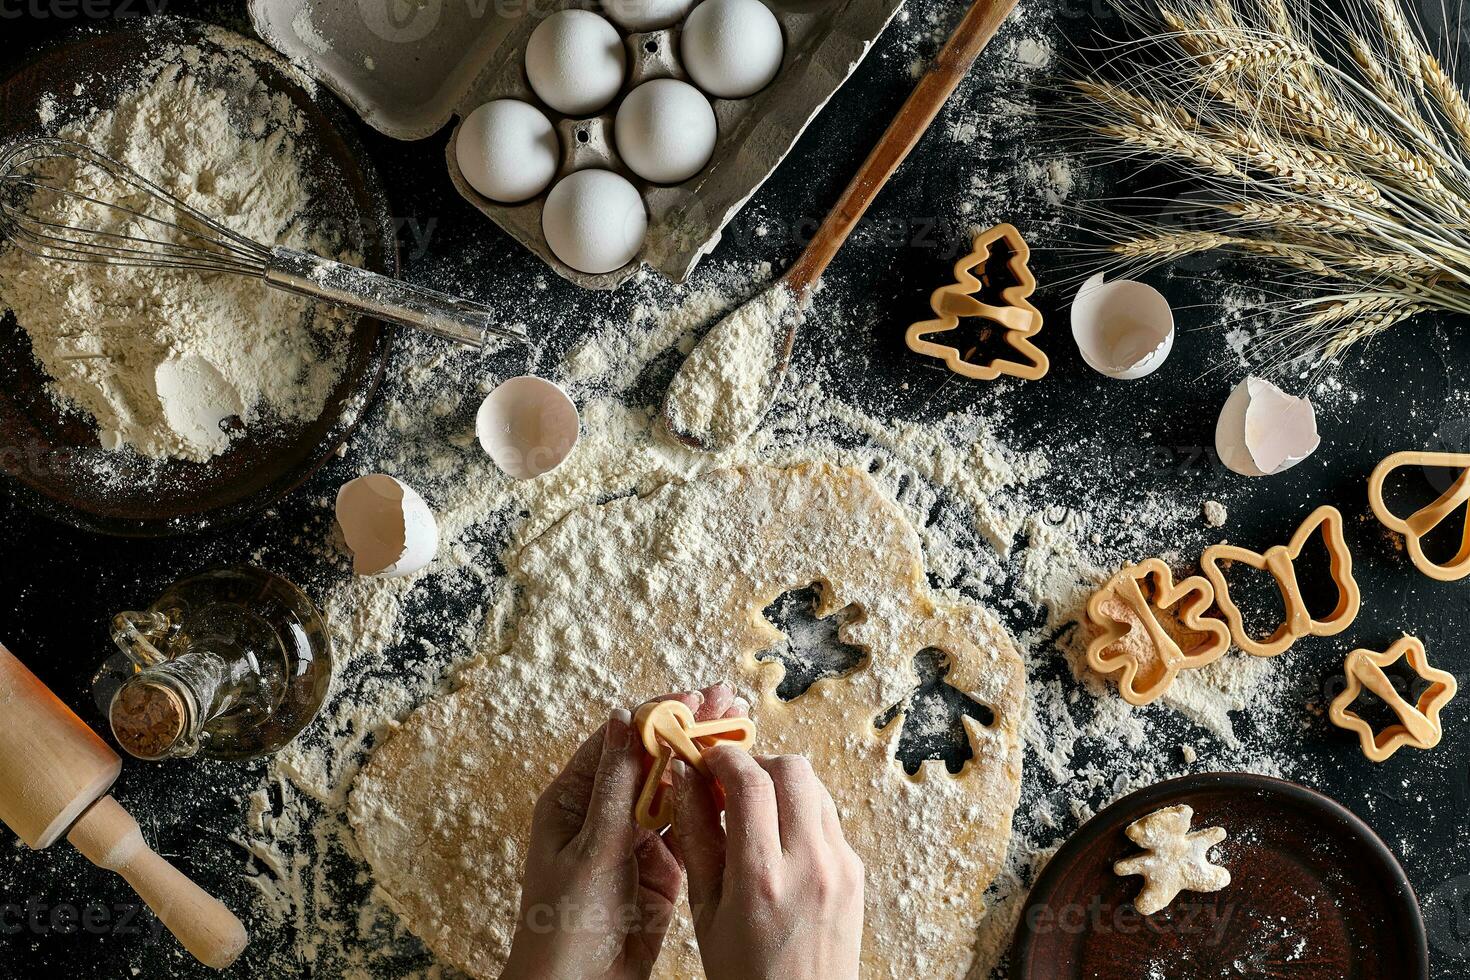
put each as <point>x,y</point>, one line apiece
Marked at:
<point>408,69</point>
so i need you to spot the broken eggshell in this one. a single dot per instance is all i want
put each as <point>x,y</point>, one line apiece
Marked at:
<point>388,528</point>
<point>528,426</point>
<point>1124,329</point>
<point>1263,431</point>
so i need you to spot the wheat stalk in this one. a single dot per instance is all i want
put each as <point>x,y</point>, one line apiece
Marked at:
<point>1340,154</point>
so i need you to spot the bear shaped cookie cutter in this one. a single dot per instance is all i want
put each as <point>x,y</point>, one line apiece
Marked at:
<point>1279,561</point>
<point>1151,657</point>
<point>1427,518</point>
<point>668,729</point>
<point>1418,723</point>
<point>1021,320</point>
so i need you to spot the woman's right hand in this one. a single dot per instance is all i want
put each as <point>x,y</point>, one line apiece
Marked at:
<point>777,893</point>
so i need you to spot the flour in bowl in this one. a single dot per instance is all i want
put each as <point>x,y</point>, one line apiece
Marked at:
<point>205,127</point>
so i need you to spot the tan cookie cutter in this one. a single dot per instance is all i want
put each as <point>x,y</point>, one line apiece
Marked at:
<point>1427,518</point>
<point>1279,561</point>
<point>1419,724</point>
<point>668,729</point>
<point>1169,657</point>
<point>1020,319</point>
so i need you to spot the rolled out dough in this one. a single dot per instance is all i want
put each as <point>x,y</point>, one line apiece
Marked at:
<point>635,597</point>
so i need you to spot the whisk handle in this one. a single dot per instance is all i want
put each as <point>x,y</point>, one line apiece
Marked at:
<point>390,299</point>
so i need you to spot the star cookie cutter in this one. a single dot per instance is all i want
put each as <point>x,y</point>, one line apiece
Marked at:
<point>668,729</point>
<point>1279,560</point>
<point>1020,319</point>
<point>1128,609</point>
<point>1429,517</point>
<point>1418,724</point>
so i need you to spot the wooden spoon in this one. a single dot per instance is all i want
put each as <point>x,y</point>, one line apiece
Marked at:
<point>701,380</point>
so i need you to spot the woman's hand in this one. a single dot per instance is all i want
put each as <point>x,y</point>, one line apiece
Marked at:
<point>777,893</point>
<point>599,891</point>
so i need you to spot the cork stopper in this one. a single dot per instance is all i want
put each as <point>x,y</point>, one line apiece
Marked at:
<point>148,719</point>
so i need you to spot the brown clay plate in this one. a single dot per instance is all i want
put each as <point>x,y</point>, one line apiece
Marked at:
<point>52,458</point>
<point>1314,895</point>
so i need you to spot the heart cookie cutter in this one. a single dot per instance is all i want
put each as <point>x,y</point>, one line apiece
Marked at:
<point>668,729</point>
<point>1279,561</point>
<point>1429,517</point>
<point>1418,724</point>
<point>1020,319</point>
<point>1149,662</point>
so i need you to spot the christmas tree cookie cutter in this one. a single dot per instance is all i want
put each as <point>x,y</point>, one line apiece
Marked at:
<point>1279,561</point>
<point>1128,611</point>
<point>668,729</point>
<point>1427,518</point>
<point>1418,723</point>
<point>1020,319</point>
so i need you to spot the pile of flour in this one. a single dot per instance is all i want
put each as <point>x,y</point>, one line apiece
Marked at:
<point>204,126</point>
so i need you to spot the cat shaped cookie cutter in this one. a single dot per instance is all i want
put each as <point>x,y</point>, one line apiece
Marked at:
<point>1418,723</point>
<point>1279,561</point>
<point>1146,591</point>
<point>1020,319</point>
<point>668,729</point>
<point>1427,518</point>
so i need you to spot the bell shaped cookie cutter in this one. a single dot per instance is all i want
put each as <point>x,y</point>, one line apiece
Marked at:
<point>1020,319</point>
<point>1427,518</point>
<point>1418,723</point>
<point>1279,561</point>
<point>668,729</point>
<point>1133,639</point>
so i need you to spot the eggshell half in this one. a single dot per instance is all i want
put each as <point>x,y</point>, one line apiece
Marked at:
<point>1124,329</point>
<point>389,529</point>
<point>528,426</point>
<point>1263,431</point>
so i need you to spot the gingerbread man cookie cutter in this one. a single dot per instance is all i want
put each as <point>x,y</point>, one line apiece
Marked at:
<point>668,729</point>
<point>1133,638</point>
<point>1020,319</point>
<point>1418,723</point>
<point>1279,561</point>
<point>1427,518</point>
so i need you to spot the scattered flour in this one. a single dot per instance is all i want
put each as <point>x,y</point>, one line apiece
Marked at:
<point>205,127</point>
<point>1215,513</point>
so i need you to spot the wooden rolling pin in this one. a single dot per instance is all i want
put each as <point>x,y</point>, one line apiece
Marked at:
<point>54,777</point>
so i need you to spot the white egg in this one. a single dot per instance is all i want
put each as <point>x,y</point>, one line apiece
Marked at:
<point>387,526</point>
<point>507,150</point>
<point>732,48</point>
<point>575,62</point>
<point>646,15</point>
<point>594,221</point>
<point>666,131</point>
<point>527,425</point>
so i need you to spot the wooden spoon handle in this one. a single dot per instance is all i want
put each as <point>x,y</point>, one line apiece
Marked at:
<point>109,837</point>
<point>924,103</point>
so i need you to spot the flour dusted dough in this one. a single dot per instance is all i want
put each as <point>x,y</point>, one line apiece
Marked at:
<point>1174,859</point>
<point>639,596</point>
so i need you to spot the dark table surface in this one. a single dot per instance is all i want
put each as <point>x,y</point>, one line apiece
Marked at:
<point>63,586</point>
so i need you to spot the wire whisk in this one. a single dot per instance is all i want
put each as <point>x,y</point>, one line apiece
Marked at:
<point>140,224</point>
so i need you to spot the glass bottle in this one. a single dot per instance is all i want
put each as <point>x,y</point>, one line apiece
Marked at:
<point>229,664</point>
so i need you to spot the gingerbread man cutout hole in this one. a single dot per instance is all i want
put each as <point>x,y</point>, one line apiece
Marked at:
<point>933,703</point>
<point>668,729</point>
